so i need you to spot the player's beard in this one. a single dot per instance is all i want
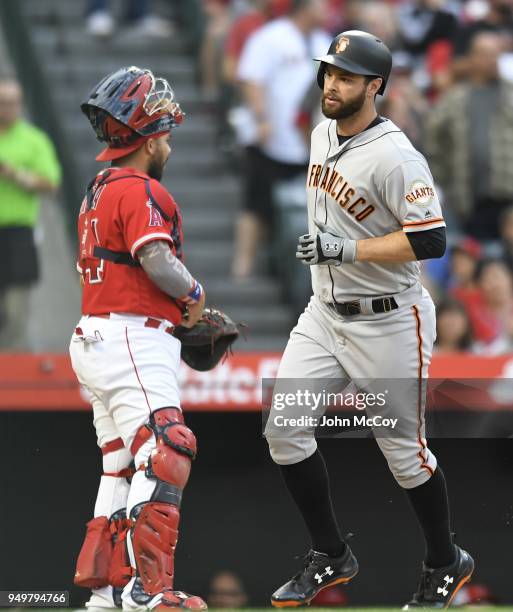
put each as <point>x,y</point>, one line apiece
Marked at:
<point>156,168</point>
<point>345,109</point>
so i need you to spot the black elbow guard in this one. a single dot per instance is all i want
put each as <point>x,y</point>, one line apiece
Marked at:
<point>429,244</point>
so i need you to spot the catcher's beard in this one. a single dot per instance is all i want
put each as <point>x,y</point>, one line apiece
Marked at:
<point>156,167</point>
<point>345,109</point>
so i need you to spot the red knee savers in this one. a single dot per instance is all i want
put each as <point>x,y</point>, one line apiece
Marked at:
<point>170,465</point>
<point>94,559</point>
<point>175,448</point>
<point>154,539</point>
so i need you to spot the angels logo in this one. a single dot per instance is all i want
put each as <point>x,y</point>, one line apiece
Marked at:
<point>419,193</point>
<point>155,216</point>
<point>342,45</point>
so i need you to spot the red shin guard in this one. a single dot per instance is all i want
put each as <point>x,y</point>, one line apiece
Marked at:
<point>155,532</point>
<point>154,541</point>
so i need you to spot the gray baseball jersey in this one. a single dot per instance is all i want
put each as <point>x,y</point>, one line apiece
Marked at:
<point>371,185</point>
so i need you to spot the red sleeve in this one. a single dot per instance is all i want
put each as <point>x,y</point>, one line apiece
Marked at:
<point>233,43</point>
<point>240,31</point>
<point>143,219</point>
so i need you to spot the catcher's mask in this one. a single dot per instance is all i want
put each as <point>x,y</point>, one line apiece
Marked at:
<point>129,106</point>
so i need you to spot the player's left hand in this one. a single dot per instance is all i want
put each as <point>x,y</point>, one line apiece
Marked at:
<point>325,248</point>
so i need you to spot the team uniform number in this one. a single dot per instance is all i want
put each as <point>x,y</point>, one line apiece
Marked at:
<point>94,270</point>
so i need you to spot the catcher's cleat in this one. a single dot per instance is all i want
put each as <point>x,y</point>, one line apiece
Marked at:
<point>319,572</point>
<point>179,599</point>
<point>437,587</point>
<point>136,599</point>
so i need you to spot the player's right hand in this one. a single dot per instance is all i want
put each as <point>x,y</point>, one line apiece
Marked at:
<point>325,248</point>
<point>194,312</point>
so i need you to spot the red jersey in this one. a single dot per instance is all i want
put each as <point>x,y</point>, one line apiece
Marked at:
<point>123,210</point>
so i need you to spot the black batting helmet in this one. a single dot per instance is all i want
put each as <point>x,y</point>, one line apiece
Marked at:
<point>360,53</point>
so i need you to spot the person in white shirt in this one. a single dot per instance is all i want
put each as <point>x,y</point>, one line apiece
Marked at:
<point>275,72</point>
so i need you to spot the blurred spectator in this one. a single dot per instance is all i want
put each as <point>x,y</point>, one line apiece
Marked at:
<point>100,22</point>
<point>405,105</point>
<point>335,20</point>
<point>275,70</point>
<point>380,18</point>
<point>226,591</point>
<point>28,168</point>
<point>426,30</point>
<point>469,142</point>
<point>506,232</point>
<point>492,317</point>
<point>240,31</point>
<point>464,259</point>
<point>233,113</point>
<point>218,18</point>
<point>497,20</point>
<point>423,23</point>
<point>453,328</point>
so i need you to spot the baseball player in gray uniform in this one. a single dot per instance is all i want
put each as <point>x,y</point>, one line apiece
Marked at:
<point>373,213</point>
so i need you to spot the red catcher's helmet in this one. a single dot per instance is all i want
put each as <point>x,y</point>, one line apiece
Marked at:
<point>129,106</point>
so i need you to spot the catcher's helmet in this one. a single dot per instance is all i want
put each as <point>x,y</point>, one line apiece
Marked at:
<point>128,106</point>
<point>360,53</point>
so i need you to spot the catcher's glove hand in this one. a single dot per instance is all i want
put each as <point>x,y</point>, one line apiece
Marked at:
<point>204,344</point>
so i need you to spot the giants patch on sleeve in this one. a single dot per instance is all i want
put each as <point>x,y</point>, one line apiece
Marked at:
<point>420,193</point>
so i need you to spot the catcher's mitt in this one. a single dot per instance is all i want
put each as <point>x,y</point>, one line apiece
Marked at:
<point>208,341</point>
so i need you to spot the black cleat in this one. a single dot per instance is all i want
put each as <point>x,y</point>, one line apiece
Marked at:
<point>319,572</point>
<point>437,587</point>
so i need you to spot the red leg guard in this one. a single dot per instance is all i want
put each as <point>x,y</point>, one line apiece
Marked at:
<point>156,529</point>
<point>154,542</point>
<point>94,558</point>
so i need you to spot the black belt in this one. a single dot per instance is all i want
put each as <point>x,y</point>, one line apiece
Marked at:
<point>347,309</point>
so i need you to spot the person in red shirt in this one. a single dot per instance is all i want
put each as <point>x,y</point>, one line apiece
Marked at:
<point>240,31</point>
<point>136,290</point>
<point>492,316</point>
<point>464,261</point>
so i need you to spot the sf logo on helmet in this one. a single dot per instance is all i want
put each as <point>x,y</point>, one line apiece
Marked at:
<point>342,45</point>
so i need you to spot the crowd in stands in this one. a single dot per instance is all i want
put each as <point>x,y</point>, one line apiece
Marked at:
<point>451,91</point>
<point>138,16</point>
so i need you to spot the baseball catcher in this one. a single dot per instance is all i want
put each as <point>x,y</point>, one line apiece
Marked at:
<point>125,352</point>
